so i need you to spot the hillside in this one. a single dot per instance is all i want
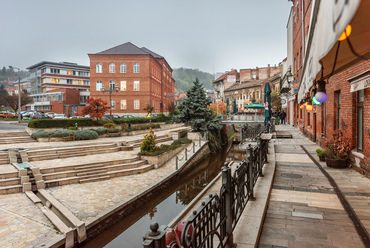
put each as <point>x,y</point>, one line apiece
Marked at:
<point>185,77</point>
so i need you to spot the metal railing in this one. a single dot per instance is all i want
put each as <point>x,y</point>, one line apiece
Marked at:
<point>188,151</point>
<point>212,224</point>
<point>251,133</point>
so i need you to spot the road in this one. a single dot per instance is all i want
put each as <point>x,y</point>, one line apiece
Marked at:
<point>12,126</point>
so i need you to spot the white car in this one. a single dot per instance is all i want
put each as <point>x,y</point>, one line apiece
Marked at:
<point>60,116</point>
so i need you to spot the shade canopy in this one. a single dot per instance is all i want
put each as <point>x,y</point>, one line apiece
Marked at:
<point>255,105</point>
<point>267,101</point>
<point>227,106</point>
<point>235,109</point>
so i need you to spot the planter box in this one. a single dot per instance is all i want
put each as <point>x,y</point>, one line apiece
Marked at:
<point>336,163</point>
<point>159,160</point>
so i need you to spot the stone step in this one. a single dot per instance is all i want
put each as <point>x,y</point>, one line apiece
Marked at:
<point>10,181</point>
<point>59,175</point>
<point>4,155</point>
<point>94,179</point>
<point>160,140</point>
<point>11,189</point>
<point>61,181</point>
<point>131,171</point>
<point>4,161</point>
<point>15,134</point>
<point>88,173</point>
<point>126,165</point>
<point>89,167</point>
<point>7,175</point>
<point>59,150</point>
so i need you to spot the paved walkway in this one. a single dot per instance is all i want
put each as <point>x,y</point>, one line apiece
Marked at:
<point>304,210</point>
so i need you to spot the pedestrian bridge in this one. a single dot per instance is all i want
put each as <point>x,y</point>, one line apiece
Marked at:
<point>244,119</point>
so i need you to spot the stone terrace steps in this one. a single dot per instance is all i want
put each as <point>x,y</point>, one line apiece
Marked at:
<point>13,140</point>
<point>94,171</point>
<point>14,134</point>
<point>10,183</point>
<point>4,158</point>
<point>10,189</point>
<point>159,139</point>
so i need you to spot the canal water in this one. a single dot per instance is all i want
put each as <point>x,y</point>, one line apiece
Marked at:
<point>165,207</point>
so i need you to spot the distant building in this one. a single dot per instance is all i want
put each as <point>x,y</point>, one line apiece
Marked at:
<point>58,87</point>
<point>223,82</point>
<point>142,76</point>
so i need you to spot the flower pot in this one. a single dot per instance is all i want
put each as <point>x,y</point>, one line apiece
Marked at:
<point>322,158</point>
<point>336,163</point>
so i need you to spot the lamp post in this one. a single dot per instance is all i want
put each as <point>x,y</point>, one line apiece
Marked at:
<point>19,92</point>
<point>113,89</point>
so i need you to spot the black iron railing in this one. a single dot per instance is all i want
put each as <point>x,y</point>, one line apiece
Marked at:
<point>212,224</point>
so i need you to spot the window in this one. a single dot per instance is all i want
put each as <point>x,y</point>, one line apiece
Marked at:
<point>337,108</point>
<point>136,104</point>
<point>123,104</point>
<point>360,120</point>
<point>98,68</point>
<point>69,81</point>
<point>69,72</point>
<point>111,85</point>
<point>136,68</point>
<point>123,85</point>
<point>136,85</point>
<point>99,85</point>
<point>113,104</point>
<point>112,68</point>
<point>123,68</point>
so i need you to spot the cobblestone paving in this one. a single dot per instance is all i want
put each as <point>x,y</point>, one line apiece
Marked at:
<point>22,224</point>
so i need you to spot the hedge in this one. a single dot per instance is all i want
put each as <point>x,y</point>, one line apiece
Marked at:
<point>52,123</point>
<point>159,118</point>
<point>79,134</point>
<point>166,148</point>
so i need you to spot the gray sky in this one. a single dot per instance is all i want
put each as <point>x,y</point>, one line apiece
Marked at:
<point>211,35</point>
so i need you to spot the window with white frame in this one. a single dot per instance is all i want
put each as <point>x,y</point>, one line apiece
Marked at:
<point>113,104</point>
<point>136,68</point>
<point>123,104</point>
<point>99,68</point>
<point>136,85</point>
<point>99,85</point>
<point>123,68</point>
<point>112,68</point>
<point>136,104</point>
<point>123,85</point>
<point>111,85</point>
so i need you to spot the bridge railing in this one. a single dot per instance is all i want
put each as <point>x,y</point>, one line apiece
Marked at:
<point>212,224</point>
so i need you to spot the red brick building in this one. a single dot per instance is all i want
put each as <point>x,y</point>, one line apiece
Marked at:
<point>142,76</point>
<point>347,87</point>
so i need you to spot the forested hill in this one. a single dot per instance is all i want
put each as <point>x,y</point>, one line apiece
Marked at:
<point>185,77</point>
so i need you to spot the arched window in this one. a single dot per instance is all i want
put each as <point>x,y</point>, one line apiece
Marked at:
<point>112,68</point>
<point>123,68</point>
<point>136,68</point>
<point>98,68</point>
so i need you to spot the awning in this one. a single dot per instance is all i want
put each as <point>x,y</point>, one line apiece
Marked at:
<point>329,20</point>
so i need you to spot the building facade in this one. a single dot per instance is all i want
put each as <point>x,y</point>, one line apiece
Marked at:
<point>58,87</point>
<point>141,76</point>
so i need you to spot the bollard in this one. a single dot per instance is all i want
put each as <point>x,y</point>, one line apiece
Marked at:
<point>200,142</point>
<point>186,154</point>
<point>250,171</point>
<point>155,238</point>
<point>193,147</point>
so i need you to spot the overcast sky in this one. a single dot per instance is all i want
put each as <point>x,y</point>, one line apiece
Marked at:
<point>211,35</point>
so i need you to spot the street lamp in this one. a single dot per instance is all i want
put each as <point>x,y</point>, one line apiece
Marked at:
<point>111,89</point>
<point>19,92</point>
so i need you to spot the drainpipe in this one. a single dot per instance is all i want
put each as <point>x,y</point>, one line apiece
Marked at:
<point>303,43</point>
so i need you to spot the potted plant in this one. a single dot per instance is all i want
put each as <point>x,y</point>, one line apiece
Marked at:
<point>337,150</point>
<point>321,154</point>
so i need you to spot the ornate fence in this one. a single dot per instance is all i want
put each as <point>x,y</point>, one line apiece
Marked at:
<point>188,151</point>
<point>212,224</point>
<point>250,133</point>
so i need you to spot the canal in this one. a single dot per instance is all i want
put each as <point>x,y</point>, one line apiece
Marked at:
<point>163,208</point>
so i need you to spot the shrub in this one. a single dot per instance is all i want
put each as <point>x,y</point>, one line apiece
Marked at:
<point>124,126</point>
<point>86,135</point>
<point>166,148</point>
<point>148,143</point>
<point>110,125</point>
<point>320,152</point>
<point>79,135</point>
<point>40,134</point>
<point>100,130</point>
<point>51,123</point>
<point>113,130</point>
<point>337,146</point>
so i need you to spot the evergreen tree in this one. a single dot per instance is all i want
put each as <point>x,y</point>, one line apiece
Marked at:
<point>3,94</point>
<point>193,110</point>
<point>3,71</point>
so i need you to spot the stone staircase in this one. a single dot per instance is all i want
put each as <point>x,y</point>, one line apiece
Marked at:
<point>15,137</point>
<point>94,171</point>
<point>10,182</point>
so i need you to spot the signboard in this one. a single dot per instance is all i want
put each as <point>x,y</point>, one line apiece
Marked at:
<point>360,84</point>
<point>231,78</point>
<point>32,107</point>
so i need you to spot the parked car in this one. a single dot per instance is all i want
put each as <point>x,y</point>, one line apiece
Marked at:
<point>112,117</point>
<point>129,116</point>
<point>50,114</point>
<point>26,113</point>
<point>60,116</point>
<point>9,115</point>
<point>39,115</point>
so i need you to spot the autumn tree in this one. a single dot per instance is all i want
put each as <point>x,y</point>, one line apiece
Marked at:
<point>12,101</point>
<point>221,108</point>
<point>96,108</point>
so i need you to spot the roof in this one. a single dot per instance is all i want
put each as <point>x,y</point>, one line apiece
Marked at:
<point>58,64</point>
<point>246,84</point>
<point>126,48</point>
<point>155,55</point>
<point>222,77</point>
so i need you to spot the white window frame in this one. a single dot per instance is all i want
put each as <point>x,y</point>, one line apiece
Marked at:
<point>112,83</point>
<point>98,87</point>
<point>99,68</point>
<point>136,68</point>
<point>123,68</point>
<point>136,85</point>
<point>123,104</point>
<point>113,103</point>
<point>123,86</point>
<point>112,68</point>
<point>137,104</point>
